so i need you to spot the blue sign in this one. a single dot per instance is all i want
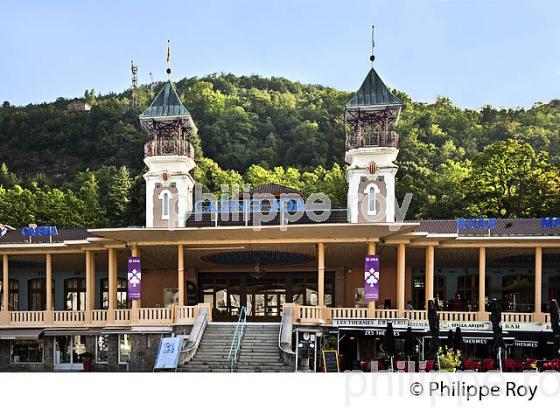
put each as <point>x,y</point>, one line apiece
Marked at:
<point>39,231</point>
<point>476,223</point>
<point>252,205</point>
<point>553,222</point>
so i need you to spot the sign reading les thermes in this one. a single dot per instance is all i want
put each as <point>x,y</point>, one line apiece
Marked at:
<point>371,278</point>
<point>134,278</point>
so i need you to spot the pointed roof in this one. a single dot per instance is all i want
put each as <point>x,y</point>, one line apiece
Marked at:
<point>373,92</point>
<point>166,105</point>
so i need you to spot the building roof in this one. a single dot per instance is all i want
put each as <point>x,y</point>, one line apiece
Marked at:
<point>373,92</point>
<point>274,189</point>
<point>503,228</point>
<point>508,229</point>
<point>166,105</point>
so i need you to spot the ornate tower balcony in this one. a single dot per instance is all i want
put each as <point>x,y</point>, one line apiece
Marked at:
<point>164,147</point>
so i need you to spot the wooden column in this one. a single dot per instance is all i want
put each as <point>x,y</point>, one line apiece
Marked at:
<point>401,277</point>
<point>321,274</point>
<point>371,304</point>
<point>112,268</point>
<point>90,280</point>
<point>429,275</point>
<point>538,281</point>
<point>5,283</point>
<point>135,252</point>
<point>48,280</point>
<point>482,284</point>
<point>181,273</point>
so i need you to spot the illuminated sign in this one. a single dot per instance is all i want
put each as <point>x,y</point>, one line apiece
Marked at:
<point>553,222</point>
<point>476,223</point>
<point>34,230</point>
<point>252,205</point>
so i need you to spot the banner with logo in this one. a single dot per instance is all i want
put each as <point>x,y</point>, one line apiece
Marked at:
<point>371,278</point>
<point>134,278</point>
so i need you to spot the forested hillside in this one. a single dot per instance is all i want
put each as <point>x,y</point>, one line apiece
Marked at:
<point>84,169</point>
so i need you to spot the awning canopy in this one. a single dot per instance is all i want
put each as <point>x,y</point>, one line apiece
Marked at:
<point>13,334</point>
<point>83,331</point>
<point>133,329</point>
<point>243,235</point>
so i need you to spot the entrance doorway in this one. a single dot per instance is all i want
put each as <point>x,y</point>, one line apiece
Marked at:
<point>68,352</point>
<point>263,297</point>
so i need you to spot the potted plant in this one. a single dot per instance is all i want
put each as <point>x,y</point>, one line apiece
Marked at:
<point>449,359</point>
<point>87,361</point>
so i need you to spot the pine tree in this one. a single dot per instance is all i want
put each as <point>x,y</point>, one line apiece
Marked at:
<point>119,197</point>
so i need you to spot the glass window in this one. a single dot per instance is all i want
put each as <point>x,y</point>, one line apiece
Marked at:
<point>165,205</point>
<point>125,347</point>
<point>36,294</point>
<point>102,349</point>
<point>371,202</point>
<point>13,297</point>
<point>122,295</point>
<point>75,294</point>
<point>26,351</point>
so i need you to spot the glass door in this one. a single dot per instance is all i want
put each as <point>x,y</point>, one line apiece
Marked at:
<point>68,352</point>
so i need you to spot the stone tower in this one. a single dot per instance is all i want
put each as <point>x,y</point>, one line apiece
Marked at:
<point>169,157</point>
<point>371,149</point>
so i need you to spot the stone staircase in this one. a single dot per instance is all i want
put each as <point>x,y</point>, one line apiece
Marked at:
<point>258,351</point>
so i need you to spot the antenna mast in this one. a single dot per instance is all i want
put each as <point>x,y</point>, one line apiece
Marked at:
<point>134,70</point>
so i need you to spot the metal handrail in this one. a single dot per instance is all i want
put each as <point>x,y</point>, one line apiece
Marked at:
<point>236,341</point>
<point>286,348</point>
<point>198,329</point>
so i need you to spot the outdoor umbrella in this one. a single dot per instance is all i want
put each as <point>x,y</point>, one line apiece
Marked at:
<point>388,345</point>
<point>555,324</point>
<point>458,341</point>
<point>408,343</point>
<point>450,339</point>
<point>497,339</point>
<point>433,321</point>
<point>541,346</point>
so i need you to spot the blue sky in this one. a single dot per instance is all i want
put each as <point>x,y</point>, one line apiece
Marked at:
<point>500,52</point>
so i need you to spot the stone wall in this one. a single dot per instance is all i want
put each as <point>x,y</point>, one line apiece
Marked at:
<point>143,353</point>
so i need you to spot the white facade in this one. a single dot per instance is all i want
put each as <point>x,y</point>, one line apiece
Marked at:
<point>172,172</point>
<point>358,172</point>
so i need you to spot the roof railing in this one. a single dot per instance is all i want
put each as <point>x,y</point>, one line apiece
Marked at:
<point>163,147</point>
<point>375,139</point>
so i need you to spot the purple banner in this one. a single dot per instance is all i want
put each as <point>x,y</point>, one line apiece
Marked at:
<point>371,278</point>
<point>134,278</point>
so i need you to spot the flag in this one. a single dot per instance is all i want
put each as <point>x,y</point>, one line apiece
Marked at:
<point>168,52</point>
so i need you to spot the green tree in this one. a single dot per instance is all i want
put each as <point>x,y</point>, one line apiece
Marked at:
<point>118,196</point>
<point>511,179</point>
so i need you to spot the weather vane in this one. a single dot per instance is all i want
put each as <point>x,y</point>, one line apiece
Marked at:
<point>372,57</point>
<point>168,71</point>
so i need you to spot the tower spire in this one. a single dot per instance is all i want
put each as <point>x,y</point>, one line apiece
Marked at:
<point>168,71</point>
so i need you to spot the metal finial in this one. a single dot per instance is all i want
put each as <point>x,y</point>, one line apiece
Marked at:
<point>168,71</point>
<point>372,57</point>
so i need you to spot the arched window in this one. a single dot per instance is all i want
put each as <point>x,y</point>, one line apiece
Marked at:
<point>165,211</point>
<point>371,191</point>
<point>165,196</point>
